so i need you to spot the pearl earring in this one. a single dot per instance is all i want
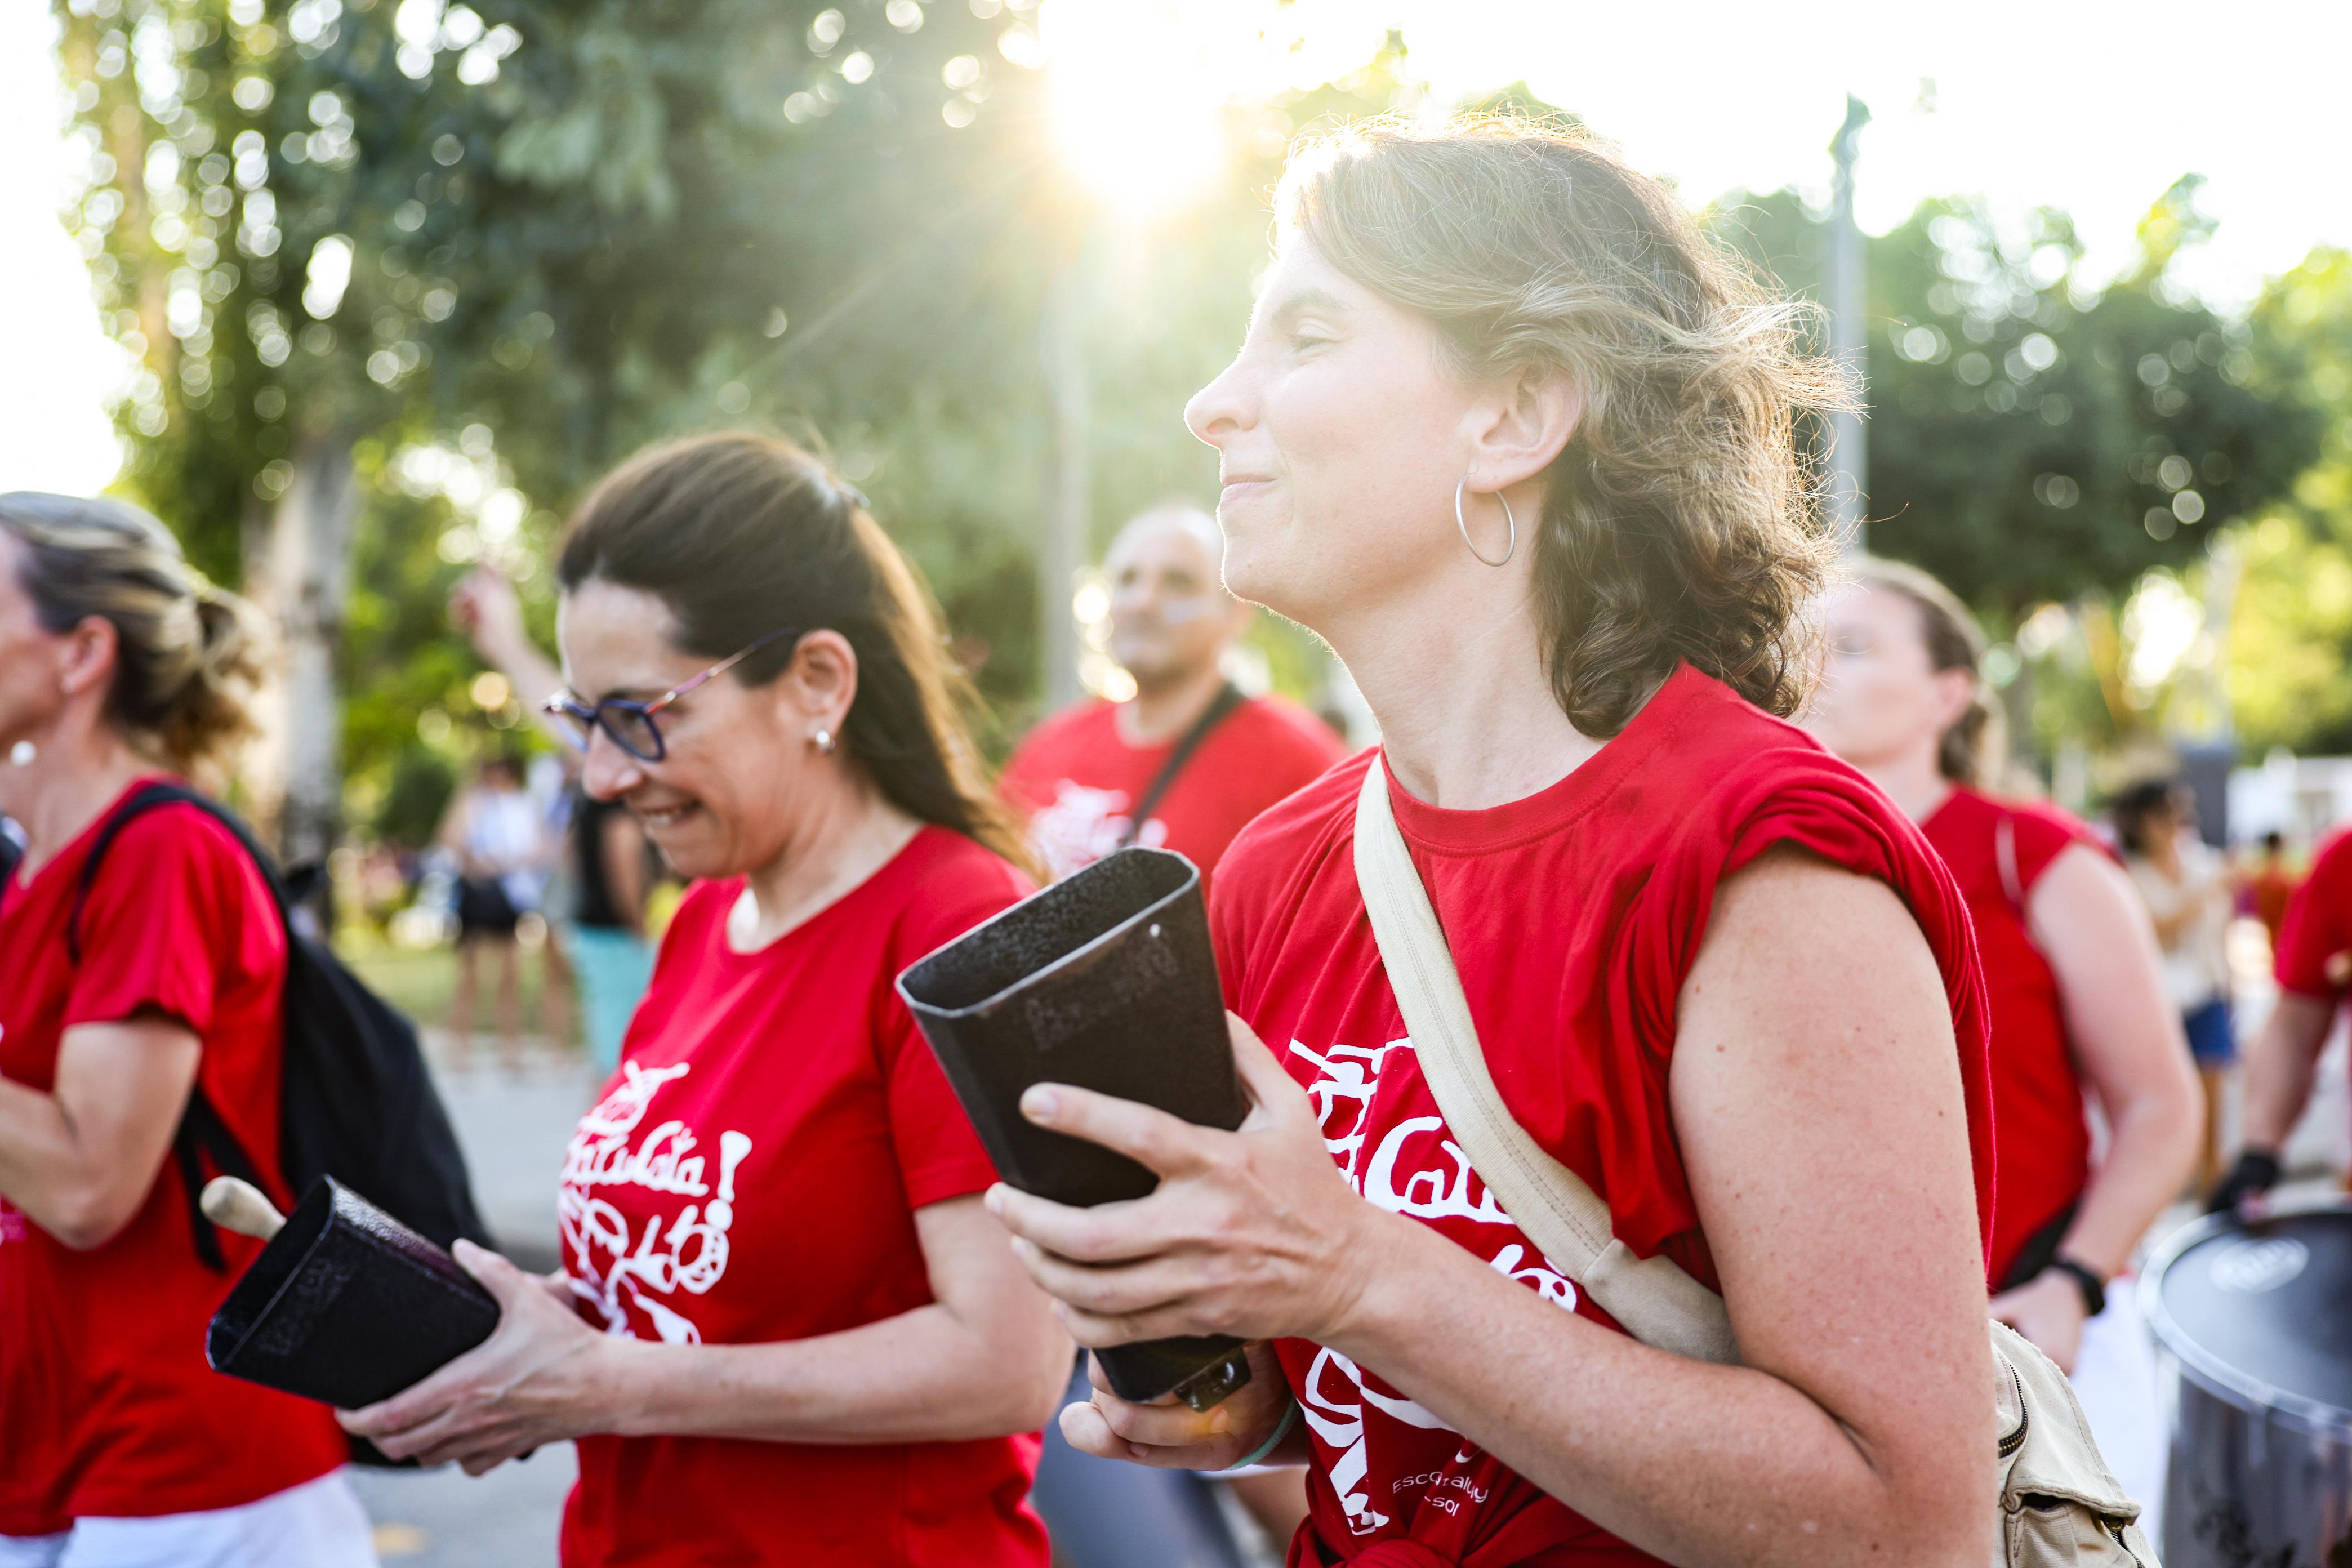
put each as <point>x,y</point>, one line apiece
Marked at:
<point>22,753</point>
<point>823,741</point>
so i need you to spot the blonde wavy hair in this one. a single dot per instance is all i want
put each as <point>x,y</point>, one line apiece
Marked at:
<point>1679,523</point>
<point>188,657</point>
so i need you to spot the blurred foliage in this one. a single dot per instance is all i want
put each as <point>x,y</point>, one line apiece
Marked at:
<point>574,226</point>
<point>2291,639</point>
<point>2032,437</point>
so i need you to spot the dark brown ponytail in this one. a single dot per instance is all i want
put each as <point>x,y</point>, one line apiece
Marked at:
<point>739,534</point>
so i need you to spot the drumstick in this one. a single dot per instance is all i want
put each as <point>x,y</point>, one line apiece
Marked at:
<point>239,1207</point>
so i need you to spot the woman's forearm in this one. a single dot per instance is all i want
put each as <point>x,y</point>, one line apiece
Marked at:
<point>1690,1461</point>
<point>2281,1068</point>
<point>41,1163</point>
<point>919,1377</point>
<point>2151,1148</point>
<point>79,1160</point>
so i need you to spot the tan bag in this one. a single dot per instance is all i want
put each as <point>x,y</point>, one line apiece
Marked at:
<point>2060,1507</point>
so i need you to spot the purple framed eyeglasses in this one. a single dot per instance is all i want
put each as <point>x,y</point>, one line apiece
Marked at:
<point>631,724</point>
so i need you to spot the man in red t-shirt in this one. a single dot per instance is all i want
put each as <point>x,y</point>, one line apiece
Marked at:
<point>1083,776</point>
<point>2313,965</point>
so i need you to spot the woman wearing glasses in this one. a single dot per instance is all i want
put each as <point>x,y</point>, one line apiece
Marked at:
<point>785,1330</point>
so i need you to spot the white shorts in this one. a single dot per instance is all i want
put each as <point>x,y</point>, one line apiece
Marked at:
<point>2115,1379</point>
<point>318,1524</point>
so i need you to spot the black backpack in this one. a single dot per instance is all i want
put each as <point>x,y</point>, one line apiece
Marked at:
<point>357,1102</point>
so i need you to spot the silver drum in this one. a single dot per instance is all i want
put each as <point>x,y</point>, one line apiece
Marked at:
<point>2252,1327</point>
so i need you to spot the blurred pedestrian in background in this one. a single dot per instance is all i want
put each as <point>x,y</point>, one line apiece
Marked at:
<point>2080,1014</point>
<point>498,835</point>
<point>1185,762</point>
<point>2185,883</point>
<point>121,994</point>
<point>2269,886</point>
<point>609,866</point>
<point>2313,963</point>
<point>786,1331</point>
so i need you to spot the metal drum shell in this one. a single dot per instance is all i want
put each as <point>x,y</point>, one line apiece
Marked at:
<point>2259,1476</point>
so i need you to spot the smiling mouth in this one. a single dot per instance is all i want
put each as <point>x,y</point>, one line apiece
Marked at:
<point>663,816</point>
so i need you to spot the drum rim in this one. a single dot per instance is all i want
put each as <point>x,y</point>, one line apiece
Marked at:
<point>2215,1376</point>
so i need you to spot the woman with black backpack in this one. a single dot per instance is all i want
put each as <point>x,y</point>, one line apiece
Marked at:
<point>121,995</point>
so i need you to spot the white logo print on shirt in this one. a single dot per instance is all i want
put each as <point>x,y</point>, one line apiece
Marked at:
<point>690,1254</point>
<point>1083,825</point>
<point>1347,1080</point>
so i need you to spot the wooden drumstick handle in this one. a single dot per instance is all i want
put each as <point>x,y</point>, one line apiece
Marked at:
<point>239,1207</point>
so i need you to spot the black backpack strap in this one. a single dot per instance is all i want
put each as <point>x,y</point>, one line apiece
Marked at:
<point>151,797</point>
<point>202,1133</point>
<point>1229,697</point>
<point>12,854</point>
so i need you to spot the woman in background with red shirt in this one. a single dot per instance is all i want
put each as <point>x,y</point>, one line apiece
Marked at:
<point>2074,983</point>
<point>117,1445</point>
<point>798,1339</point>
<point>1515,439</point>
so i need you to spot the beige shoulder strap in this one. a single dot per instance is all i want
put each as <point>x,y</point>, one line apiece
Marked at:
<point>1653,1297</point>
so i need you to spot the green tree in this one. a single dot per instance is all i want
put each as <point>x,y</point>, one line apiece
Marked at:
<point>2033,437</point>
<point>2290,637</point>
<point>221,151</point>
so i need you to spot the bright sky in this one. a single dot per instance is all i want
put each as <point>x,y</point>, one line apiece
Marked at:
<point>2090,105</point>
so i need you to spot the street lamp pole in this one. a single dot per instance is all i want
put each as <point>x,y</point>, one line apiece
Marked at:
<point>1848,343</point>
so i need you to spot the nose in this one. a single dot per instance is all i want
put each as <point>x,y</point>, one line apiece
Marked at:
<point>1227,405</point>
<point>609,773</point>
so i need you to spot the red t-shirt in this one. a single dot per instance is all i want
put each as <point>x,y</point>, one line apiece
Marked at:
<point>752,1175</point>
<point>2042,1142</point>
<point>1574,916</point>
<point>107,1407</point>
<point>2314,943</point>
<point>1078,782</point>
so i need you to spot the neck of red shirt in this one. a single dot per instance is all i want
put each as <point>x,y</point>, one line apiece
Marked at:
<point>1163,711</point>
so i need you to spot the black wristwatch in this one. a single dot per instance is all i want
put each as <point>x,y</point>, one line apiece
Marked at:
<point>2086,1279</point>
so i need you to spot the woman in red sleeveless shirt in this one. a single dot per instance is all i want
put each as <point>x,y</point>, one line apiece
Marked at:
<point>785,1330</point>
<point>2074,990</point>
<point>1514,438</point>
<point>2072,979</point>
<point>118,1443</point>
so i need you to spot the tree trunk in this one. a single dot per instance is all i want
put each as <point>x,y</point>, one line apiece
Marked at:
<point>308,574</point>
<point>1061,548</point>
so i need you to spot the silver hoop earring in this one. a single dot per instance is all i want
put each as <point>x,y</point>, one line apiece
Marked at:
<point>823,742</point>
<point>1462,523</point>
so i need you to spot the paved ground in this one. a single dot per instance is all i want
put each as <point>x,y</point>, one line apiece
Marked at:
<point>445,1518</point>
<point>513,1122</point>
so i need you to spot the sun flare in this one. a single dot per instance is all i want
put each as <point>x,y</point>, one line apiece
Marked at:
<point>1138,92</point>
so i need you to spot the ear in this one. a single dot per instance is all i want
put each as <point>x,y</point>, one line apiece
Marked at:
<point>1956,688</point>
<point>1238,618</point>
<point>91,649</point>
<point>820,682</point>
<point>1519,425</point>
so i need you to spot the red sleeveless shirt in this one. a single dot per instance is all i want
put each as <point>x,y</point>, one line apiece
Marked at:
<point>1574,916</point>
<point>2042,1142</point>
